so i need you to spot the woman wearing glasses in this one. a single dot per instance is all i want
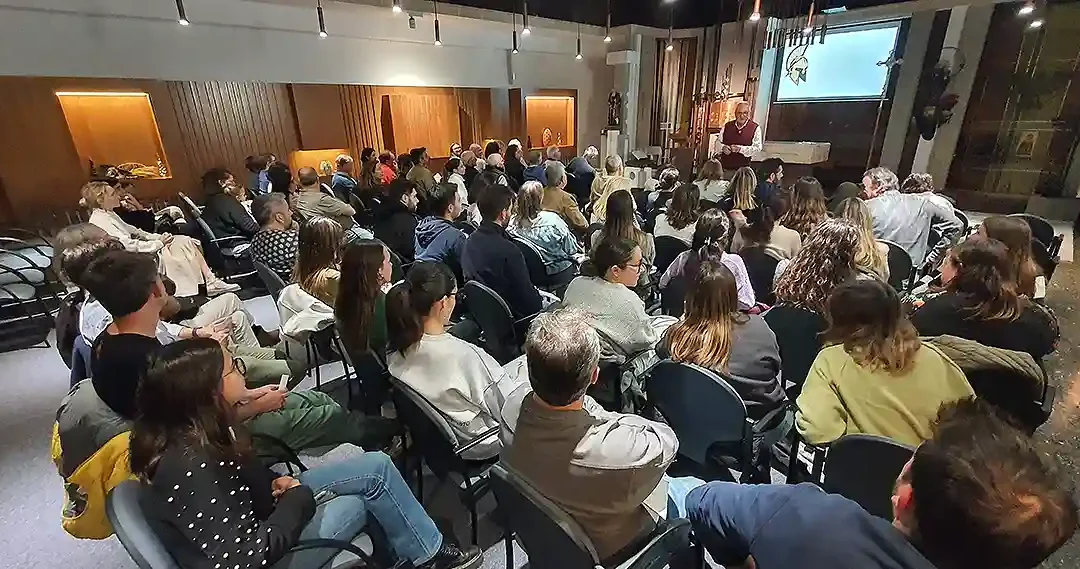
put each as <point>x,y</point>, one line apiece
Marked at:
<point>450,373</point>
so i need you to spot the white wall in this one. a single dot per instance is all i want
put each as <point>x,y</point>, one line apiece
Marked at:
<point>246,40</point>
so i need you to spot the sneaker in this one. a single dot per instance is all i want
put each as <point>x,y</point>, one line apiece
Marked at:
<point>216,287</point>
<point>451,556</point>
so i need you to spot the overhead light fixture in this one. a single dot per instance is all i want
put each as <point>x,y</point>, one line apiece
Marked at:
<point>1026,9</point>
<point>670,29</point>
<point>514,19</point>
<point>607,28</point>
<point>435,11</point>
<point>525,18</point>
<point>578,57</point>
<point>1036,23</point>
<point>181,14</point>
<point>397,7</point>
<point>322,20</point>
<point>756,15</point>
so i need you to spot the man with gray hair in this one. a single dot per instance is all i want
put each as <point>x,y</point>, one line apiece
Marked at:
<point>558,200</point>
<point>599,466</point>
<point>611,181</point>
<point>908,219</point>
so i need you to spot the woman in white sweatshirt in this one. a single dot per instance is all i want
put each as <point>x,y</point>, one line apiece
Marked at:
<point>448,372</point>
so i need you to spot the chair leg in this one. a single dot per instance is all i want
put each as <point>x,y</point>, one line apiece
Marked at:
<point>509,541</point>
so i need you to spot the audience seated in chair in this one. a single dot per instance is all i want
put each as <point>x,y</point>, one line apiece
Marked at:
<point>981,302</point>
<point>612,180</point>
<point>449,372</point>
<point>491,257</point>
<point>978,493</point>
<point>875,377</point>
<point>807,207</point>
<point>395,218</point>
<point>312,202</point>
<point>600,467</point>
<point>872,257</point>
<point>558,200</point>
<point>1015,234</point>
<point>180,256</point>
<point>710,182</point>
<point>277,242</point>
<point>605,290</point>
<point>711,239</point>
<point>546,231</point>
<point>343,184</point>
<point>454,173</point>
<point>360,312</point>
<point>317,264</point>
<point>922,185</point>
<point>826,260</point>
<point>770,177</point>
<point>534,168</point>
<point>907,219</point>
<point>202,474</point>
<point>681,216</point>
<point>740,348</point>
<point>741,192</point>
<point>515,163</point>
<point>842,192</point>
<point>621,223</point>
<point>437,239</point>
<point>582,172</point>
<point>419,173</point>
<point>223,212</point>
<point>757,227</point>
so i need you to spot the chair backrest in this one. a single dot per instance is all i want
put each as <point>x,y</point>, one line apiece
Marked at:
<point>673,297</point>
<point>493,315</point>
<point>863,468</point>
<point>798,336</point>
<point>667,248</point>
<point>271,280</point>
<point>761,268</point>
<point>537,270</point>
<point>900,266</point>
<point>965,223</point>
<point>191,210</point>
<point>706,413</point>
<point>1013,393</point>
<point>1040,228</point>
<point>593,228</point>
<point>551,538</point>
<point>135,529</point>
<point>430,431</point>
<point>1046,261</point>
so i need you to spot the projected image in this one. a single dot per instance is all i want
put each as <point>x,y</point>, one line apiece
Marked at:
<point>844,67</point>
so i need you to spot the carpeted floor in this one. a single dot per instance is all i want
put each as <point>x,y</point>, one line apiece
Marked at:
<point>35,380</point>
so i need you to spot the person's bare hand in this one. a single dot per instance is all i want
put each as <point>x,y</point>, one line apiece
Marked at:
<point>166,238</point>
<point>725,149</point>
<point>282,484</point>
<point>271,400</point>
<point>737,216</point>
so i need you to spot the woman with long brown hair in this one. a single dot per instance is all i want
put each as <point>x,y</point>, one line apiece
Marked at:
<point>872,257</point>
<point>875,377</point>
<point>981,302</point>
<point>710,181</point>
<point>1015,234</point>
<point>317,258</point>
<point>681,216</point>
<point>807,206</point>
<point>360,307</point>
<point>826,261</point>
<point>226,508</point>
<point>620,223</point>
<point>741,348</point>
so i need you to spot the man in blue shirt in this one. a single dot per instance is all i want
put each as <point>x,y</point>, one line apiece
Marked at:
<point>978,494</point>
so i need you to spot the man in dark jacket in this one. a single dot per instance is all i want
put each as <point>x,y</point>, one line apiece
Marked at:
<point>492,258</point>
<point>343,184</point>
<point>395,218</point>
<point>534,170</point>
<point>225,215</point>
<point>979,493</point>
<point>437,238</point>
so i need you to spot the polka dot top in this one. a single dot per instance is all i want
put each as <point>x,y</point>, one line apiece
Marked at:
<point>225,510</point>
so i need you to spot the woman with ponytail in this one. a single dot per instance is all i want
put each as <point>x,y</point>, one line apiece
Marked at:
<point>712,236</point>
<point>448,372</point>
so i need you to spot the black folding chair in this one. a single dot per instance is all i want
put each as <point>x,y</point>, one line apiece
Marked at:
<point>537,270</point>
<point>434,443</point>
<point>271,280</point>
<point>667,248</point>
<point>226,254</point>
<point>709,418</point>
<point>901,268</point>
<point>761,268</point>
<point>673,297</point>
<point>863,468</point>
<point>1047,262</point>
<point>500,336</point>
<point>141,533</point>
<point>798,335</point>
<point>554,540</point>
<point>1040,229</point>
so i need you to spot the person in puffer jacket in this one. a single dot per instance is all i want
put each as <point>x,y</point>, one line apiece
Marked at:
<point>438,240</point>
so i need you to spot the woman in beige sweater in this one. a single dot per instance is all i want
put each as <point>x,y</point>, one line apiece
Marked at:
<point>875,377</point>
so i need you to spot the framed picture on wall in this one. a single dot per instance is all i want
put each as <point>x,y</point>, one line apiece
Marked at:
<point>1025,146</point>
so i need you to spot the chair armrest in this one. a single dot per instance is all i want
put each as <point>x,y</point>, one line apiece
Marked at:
<point>336,544</point>
<point>1047,403</point>
<point>656,553</point>
<point>481,438</point>
<point>528,318</point>
<point>231,239</point>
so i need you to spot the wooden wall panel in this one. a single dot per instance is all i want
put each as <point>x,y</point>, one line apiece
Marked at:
<point>319,119</point>
<point>360,113</point>
<point>428,120</point>
<point>113,130</point>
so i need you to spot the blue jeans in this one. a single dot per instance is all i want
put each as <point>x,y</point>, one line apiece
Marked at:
<point>677,490</point>
<point>363,486</point>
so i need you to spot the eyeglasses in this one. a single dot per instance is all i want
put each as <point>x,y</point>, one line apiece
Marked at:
<point>637,267</point>
<point>238,366</point>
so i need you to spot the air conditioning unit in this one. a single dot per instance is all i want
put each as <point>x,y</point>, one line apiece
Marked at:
<point>638,176</point>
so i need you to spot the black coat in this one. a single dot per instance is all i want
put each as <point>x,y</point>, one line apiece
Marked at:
<point>493,259</point>
<point>228,217</point>
<point>395,226</point>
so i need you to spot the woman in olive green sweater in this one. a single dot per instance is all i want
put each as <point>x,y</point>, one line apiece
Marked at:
<point>875,377</point>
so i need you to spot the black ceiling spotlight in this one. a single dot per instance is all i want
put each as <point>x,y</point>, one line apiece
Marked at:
<point>322,20</point>
<point>435,11</point>
<point>578,57</point>
<point>670,29</point>
<point>607,28</point>
<point>181,14</point>
<point>525,18</point>
<point>756,14</point>
<point>514,19</point>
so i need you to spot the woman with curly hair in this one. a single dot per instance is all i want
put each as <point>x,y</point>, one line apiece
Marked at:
<point>807,208</point>
<point>681,217</point>
<point>872,258</point>
<point>826,261</point>
<point>922,184</point>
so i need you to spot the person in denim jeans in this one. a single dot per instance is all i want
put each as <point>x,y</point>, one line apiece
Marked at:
<point>230,511</point>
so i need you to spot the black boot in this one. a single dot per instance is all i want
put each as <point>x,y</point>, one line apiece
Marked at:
<point>451,556</point>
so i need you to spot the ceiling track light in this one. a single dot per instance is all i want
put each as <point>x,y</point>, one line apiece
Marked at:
<point>756,14</point>
<point>435,11</point>
<point>397,7</point>
<point>1027,9</point>
<point>322,20</point>
<point>514,19</point>
<point>525,18</point>
<point>181,14</point>
<point>670,30</point>
<point>607,28</point>
<point>578,57</point>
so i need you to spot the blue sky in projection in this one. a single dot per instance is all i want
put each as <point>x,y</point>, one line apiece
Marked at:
<point>844,66</point>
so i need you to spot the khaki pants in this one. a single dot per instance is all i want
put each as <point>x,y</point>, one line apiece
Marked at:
<point>182,261</point>
<point>227,307</point>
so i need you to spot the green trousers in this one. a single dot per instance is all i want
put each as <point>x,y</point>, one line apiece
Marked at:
<point>312,419</point>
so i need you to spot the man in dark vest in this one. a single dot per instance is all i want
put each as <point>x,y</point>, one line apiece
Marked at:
<point>737,141</point>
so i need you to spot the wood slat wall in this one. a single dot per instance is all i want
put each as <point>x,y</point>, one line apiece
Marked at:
<point>360,109</point>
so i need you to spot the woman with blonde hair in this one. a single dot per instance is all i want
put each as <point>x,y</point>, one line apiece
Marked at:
<point>741,191</point>
<point>180,257</point>
<point>807,208</point>
<point>875,377</point>
<point>608,182</point>
<point>546,231</point>
<point>318,256</point>
<point>826,261</point>
<point>710,182</point>
<point>872,257</point>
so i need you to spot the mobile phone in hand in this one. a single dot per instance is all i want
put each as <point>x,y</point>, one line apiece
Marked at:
<point>284,382</point>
